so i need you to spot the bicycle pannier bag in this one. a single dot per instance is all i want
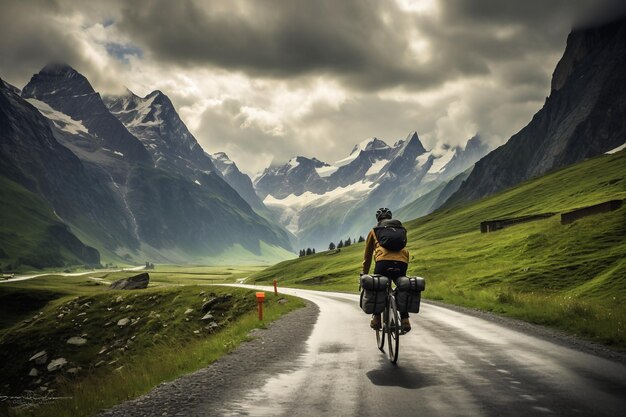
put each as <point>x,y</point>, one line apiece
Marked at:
<point>391,235</point>
<point>409,294</point>
<point>373,293</point>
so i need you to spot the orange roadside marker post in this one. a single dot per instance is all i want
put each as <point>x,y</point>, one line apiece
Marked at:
<point>260,298</point>
<point>275,288</point>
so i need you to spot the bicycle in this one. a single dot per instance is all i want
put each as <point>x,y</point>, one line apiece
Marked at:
<point>390,326</point>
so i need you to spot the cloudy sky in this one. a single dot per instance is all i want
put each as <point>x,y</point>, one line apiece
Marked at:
<point>267,79</point>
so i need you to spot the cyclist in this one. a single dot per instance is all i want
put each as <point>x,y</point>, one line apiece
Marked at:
<point>390,263</point>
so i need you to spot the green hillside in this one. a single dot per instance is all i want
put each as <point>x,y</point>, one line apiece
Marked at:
<point>570,276</point>
<point>31,235</point>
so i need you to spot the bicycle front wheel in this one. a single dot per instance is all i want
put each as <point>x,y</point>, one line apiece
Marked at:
<point>393,330</point>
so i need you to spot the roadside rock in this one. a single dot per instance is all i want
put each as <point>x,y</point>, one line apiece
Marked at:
<point>213,301</point>
<point>76,341</point>
<point>207,306</point>
<point>40,357</point>
<point>56,364</point>
<point>136,282</point>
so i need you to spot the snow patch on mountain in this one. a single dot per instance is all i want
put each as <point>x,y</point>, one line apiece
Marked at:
<point>619,148</point>
<point>369,145</point>
<point>422,159</point>
<point>60,120</point>
<point>326,171</point>
<point>439,164</point>
<point>292,205</point>
<point>293,162</point>
<point>377,167</point>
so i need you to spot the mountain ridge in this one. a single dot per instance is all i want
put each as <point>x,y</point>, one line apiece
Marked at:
<point>583,116</point>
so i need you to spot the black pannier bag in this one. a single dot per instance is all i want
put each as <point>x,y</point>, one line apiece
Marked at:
<point>409,294</point>
<point>391,235</point>
<point>373,293</point>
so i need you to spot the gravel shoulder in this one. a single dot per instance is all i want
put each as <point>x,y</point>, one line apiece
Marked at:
<point>201,392</point>
<point>542,332</point>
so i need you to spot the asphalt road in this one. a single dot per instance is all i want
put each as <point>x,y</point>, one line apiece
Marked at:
<point>451,364</point>
<point>18,278</point>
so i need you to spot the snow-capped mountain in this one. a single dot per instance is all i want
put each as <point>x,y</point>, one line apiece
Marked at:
<point>155,122</point>
<point>147,187</point>
<point>68,92</point>
<point>321,202</point>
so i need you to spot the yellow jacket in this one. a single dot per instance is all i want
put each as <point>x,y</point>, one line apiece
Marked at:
<point>380,254</point>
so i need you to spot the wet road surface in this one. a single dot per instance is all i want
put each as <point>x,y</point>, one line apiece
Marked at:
<point>450,364</point>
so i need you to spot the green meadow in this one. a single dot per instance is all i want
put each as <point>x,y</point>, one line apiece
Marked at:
<point>571,277</point>
<point>164,336</point>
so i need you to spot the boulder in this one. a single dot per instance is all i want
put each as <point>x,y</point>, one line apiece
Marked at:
<point>188,311</point>
<point>136,282</point>
<point>33,372</point>
<point>56,364</point>
<point>76,341</point>
<point>123,322</point>
<point>207,316</point>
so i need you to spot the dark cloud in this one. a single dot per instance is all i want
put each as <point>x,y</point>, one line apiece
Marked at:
<point>28,39</point>
<point>483,65</point>
<point>366,44</point>
<point>280,38</point>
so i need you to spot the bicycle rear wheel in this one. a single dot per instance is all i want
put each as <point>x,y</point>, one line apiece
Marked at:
<point>382,332</point>
<point>393,330</point>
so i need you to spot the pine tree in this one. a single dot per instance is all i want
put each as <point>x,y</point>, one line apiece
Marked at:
<point>348,242</point>
<point>308,251</point>
<point>361,239</point>
<point>313,250</point>
<point>331,246</point>
<point>340,244</point>
<point>301,253</point>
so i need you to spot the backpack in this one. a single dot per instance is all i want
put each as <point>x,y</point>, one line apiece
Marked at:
<point>391,235</point>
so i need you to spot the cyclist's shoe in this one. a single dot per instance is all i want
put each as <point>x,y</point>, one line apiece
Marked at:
<point>375,323</point>
<point>406,325</point>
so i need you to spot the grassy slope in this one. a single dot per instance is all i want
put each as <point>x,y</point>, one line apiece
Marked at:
<point>24,236</point>
<point>420,206</point>
<point>160,346</point>
<point>572,277</point>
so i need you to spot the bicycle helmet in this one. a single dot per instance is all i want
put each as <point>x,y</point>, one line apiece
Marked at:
<point>383,213</point>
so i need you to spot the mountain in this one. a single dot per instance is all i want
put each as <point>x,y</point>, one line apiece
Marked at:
<point>432,200</point>
<point>31,158</point>
<point>238,180</point>
<point>296,176</point>
<point>67,91</point>
<point>63,144</point>
<point>321,202</point>
<point>584,116</point>
<point>156,123</point>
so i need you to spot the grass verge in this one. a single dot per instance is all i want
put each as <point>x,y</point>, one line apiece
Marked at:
<point>163,339</point>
